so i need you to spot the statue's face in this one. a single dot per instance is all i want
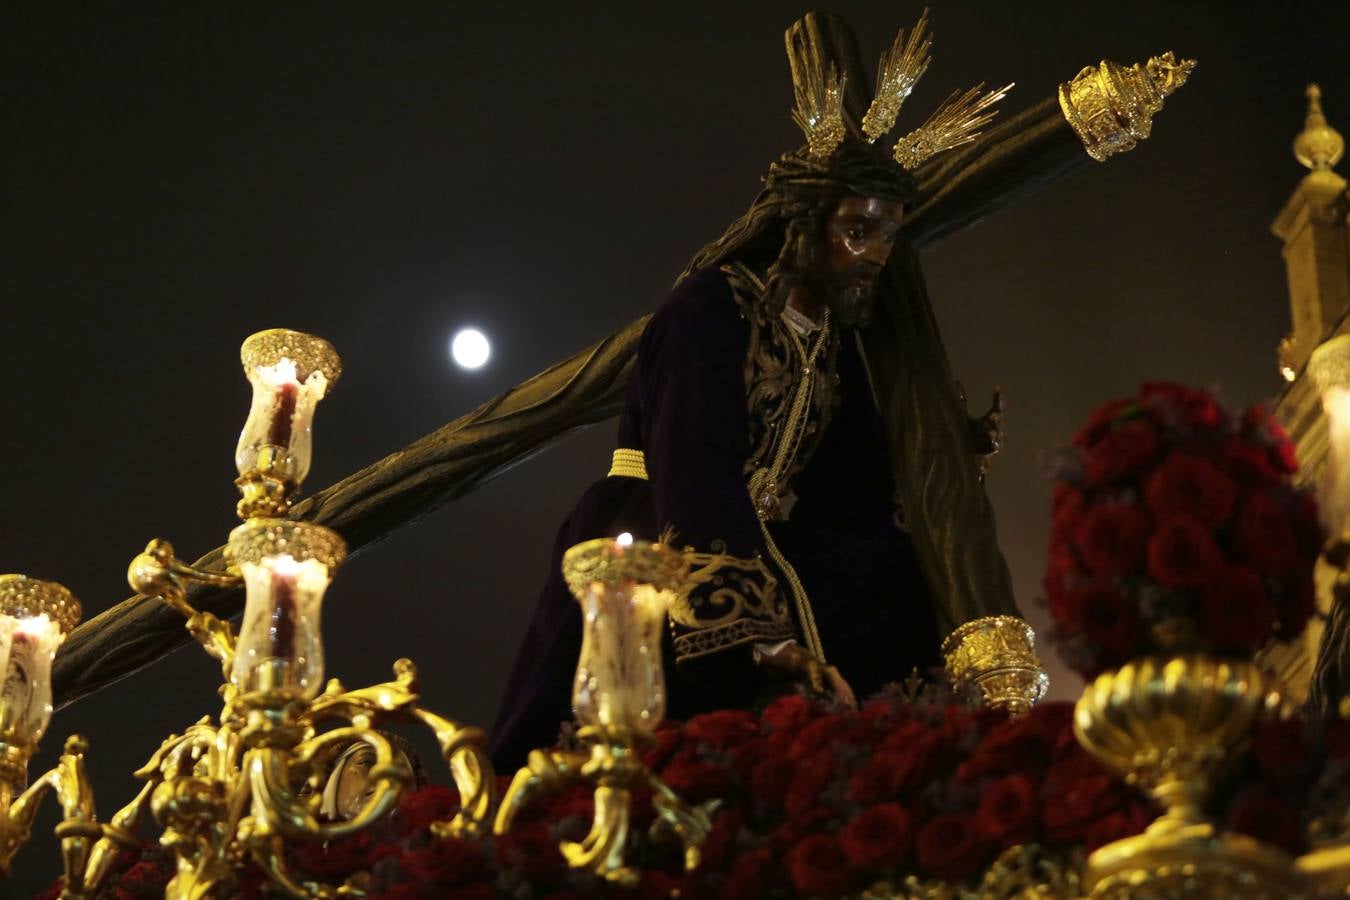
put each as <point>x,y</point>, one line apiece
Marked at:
<point>859,236</point>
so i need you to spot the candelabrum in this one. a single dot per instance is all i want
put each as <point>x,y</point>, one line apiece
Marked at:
<point>624,588</point>
<point>35,617</point>
<point>243,786</point>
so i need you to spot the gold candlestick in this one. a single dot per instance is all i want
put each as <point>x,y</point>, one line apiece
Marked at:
<point>624,588</point>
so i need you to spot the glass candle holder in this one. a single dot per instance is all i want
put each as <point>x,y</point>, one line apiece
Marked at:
<point>286,567</point>
<point>290,372</point>
<point>35,617</point>
<point>1329,367</point>
<point>625,588</point>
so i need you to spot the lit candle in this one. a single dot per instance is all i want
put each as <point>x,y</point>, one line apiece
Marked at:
<point>290,373</point>
<point>1329,367</point>
<point>624,588</point>
<point>35,617</point>
<point>286,567</point>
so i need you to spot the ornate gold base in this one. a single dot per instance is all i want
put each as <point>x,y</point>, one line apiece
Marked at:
<point>1190,862</point>
<point>1326,872</point>
<point>14,765</point>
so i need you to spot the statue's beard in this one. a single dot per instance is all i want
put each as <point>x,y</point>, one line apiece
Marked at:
<point>849,294</point>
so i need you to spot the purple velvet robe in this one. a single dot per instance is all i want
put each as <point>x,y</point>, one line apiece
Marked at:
<point>687,409</point>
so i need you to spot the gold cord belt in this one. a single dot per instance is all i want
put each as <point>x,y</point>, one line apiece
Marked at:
<point>629,464</point>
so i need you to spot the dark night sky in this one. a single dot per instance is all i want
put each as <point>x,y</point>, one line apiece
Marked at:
<point>173,180</point>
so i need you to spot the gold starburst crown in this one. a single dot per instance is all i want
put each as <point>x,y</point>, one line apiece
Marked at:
<point>820,105</point>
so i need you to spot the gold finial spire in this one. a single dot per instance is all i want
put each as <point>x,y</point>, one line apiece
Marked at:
<point>1318,146</point>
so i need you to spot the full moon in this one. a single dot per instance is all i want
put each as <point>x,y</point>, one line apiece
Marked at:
<point>470,348</point>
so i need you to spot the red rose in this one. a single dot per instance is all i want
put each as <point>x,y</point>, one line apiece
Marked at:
<point>769,780</point>
<point>791,832</point>
<point>1130,820</point>
<point>1182,554</point>
<point>1072,805</point>
<point>1061,576</point>
<point>433,803</point>
<point>916,751</point>
<point>693,778</point>
<point>1017,745</point>
<point>876,781</point>
<point>444,862</point>
<point>1177,405</point>
<point>948,847</point>
<point>1260,424</point>
<point>1007,813</point>
<point>808,782</point>
<point>1103,419</point>
<point>1268,817</point>
<point>1067,521</point>
<point>1186,485</point>
<point>1236,614</point>
<point>1114,539</point>
<point>818,865</point>
<point>878,838</point>
<point>1265,536</point>
<point>831,729</point>
<point>723,728</point>
<point>1245,462</point>
<point>668,737</point>
<point>720,841</point>
<point>531,847</point>
<point>749,876</point>
<point>1110,620</point>
<point>788,713</point>
<point>1120,452</point>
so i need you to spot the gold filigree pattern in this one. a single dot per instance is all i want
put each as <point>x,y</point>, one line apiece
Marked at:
<point>900,69</point>
<point>259,538</point>
<point>605,561</point>
<point>955,123</point>
<point>820,111</point>
<point>309,353</point>
<point>725,601</point>
<point>1024,872</point>
<point>1111,107</point>
<point>21,597</point>
<point>773,369</point>
<point>997,655</point>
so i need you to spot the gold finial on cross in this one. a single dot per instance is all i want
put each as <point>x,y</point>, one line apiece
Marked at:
<point>1318,146</point>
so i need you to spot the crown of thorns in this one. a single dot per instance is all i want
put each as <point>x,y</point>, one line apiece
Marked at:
<point>820,106</point>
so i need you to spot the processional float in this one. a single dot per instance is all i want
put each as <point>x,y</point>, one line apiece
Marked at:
<point>244,785</point>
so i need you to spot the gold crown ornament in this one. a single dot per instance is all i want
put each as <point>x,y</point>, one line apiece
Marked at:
<point>821,115</point>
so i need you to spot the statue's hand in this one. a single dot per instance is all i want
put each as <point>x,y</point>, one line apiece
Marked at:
<point>987,430</point>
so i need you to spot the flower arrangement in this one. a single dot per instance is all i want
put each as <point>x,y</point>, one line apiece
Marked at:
<point>1176,527</point>
<point>1293,790</point>
<point>814,801</point>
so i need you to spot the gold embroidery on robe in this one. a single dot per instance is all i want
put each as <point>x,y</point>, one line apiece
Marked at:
<point>727,600</point>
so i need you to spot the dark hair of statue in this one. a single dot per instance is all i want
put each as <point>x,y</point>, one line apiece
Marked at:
<point>781,236</point>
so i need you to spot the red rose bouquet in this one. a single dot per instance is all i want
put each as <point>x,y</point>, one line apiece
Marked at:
<point>1177,526</point>
<point>814,802</point>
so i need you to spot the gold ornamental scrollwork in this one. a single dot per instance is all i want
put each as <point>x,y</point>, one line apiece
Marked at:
<point>21,596</point>
<point>310,354</point>
<point>1111,107</point>
<point>997,656</point>
<point>603,561</point>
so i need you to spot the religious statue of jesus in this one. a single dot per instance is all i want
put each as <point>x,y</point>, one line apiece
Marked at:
<point>754,431</point>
